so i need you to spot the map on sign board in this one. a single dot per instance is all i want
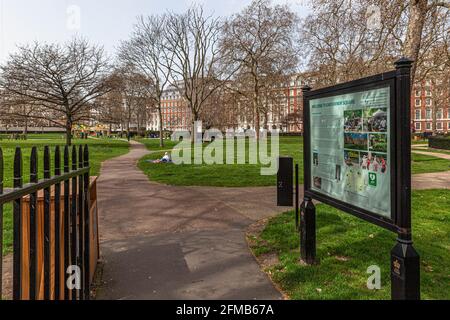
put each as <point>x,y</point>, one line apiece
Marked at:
<point>350,154</point>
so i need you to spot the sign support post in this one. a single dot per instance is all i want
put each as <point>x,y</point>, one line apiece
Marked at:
<point>307,214</point>
<point>405,261</point>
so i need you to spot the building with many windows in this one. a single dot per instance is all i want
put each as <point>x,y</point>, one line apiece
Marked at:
<point>176,115</point>
<point>428,114</point>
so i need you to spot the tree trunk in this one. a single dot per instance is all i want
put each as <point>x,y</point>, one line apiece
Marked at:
<point>25,128</point>
<point>194,128</point>
<point>68,132</point>
<point>161,138</point>
<point>128,130</point>
<point>256,115</point>
<point>417,14</point>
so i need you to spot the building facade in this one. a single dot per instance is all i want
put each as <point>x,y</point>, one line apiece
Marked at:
<point>429,114</point>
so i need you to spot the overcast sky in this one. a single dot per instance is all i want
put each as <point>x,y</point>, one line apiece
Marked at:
<point>101,21</point>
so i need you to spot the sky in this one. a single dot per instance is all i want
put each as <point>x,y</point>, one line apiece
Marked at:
<point>104,22</point>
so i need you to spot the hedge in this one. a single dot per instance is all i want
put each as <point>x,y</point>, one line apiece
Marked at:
<point>439,142</point>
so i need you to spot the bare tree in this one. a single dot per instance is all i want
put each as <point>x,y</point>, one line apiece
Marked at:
<point>135,91</point>
<point>198,69</point>
<point>260,40</point>
<point>147,52</point>
<point>345,40</point>
<point>419,13</point>
<point>109,109</point>
<point>62,80</point>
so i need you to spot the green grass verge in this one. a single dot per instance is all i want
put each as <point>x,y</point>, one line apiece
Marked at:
<point>99,151</point>
<point>245,175</point>
<point>347,246</point>
<point>241,175</point>
<point>428,164</point>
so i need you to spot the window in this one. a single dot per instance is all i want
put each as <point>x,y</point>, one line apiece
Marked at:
<point>440,114</point>
<point>428,115</point>
<point>428,92</point>
<point>417,93</point>
<point>428,126</point>
<point>448,113</point>
<point>418,102</point>
<point>439,126</point>
<point>428,102</point>
<point>418,126</point>
<point>428,83</point>
<point>418,114</point>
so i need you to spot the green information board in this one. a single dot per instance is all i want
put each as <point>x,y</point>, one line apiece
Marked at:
<point>349,144</point>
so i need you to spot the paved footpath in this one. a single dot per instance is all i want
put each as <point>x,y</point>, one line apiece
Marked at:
<point>438,180</point>
<point>166,242</point>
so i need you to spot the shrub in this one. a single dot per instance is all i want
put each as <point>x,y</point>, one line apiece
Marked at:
<point>439,142</point>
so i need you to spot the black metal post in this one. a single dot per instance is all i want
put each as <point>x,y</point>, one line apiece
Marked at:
<point>47,222</point>
<point>18,224</point>
<point>308,231</point>
<point>1,224</point>
<point>87,234</point>
<point>297,218</point>
<point>285,181</point>
<point>80,219</point>
<point>73,219</point>
<point>57,229</point>
<point>66,223</point>
<point>405,261</point>
<point>307,208</point>
<point>34,231</point>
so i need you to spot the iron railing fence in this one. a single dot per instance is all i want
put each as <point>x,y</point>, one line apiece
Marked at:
<point>50,218</point>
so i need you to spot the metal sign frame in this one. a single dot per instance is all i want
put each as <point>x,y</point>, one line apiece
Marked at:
<point>375,82</point>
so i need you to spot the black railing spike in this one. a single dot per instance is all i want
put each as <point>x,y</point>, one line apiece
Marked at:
<point>66,223</point>
<point>47,254</point>
<point>47,173</point>
<point>66,159</point>
<point>57,229</point>
<point>86,156</point>
<point>1,223</point>
<point>73,218</point>
<point>57,161</point>
<point>17,222</point>
<point>33,240</point>
<point>34,166</point>
<point>80,156</point>
<point>74,158</point>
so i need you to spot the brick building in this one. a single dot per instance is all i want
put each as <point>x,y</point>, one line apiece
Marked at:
<point>428,114</point>
<point>176,115</point>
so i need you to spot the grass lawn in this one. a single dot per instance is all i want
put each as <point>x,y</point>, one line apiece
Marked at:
<point>347,246</point>
<point>245,175</point>
<point>427,164</point>
<point>419,141</point>
<point>215,175</point>
<point>100,150</point>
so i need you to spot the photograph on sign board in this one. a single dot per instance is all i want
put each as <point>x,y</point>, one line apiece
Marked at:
<point>375,162</point>
<point>351,158</point>
<point>356,141</point>
<point>353,120</point>
<point>315,159</point>
<point>378,142</point>
<point>338,172</point>
<point>375,120</point>
<point>318,182</point>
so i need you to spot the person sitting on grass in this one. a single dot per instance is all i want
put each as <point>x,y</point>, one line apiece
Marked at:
<point>165,159</point>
